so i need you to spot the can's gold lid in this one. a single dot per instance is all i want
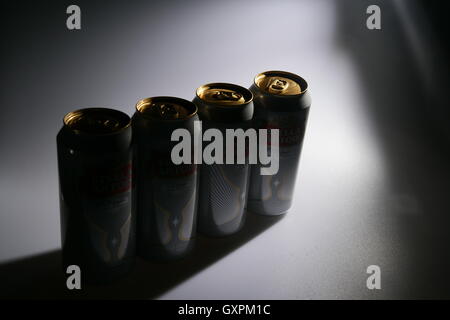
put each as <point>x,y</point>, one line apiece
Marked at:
<point>280,83</point>
<point>224,94</point>
<point>96,121</point>
<point>166,108</point>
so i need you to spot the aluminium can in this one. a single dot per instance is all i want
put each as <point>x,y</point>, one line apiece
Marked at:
<point>282,102</point>
<point>223,187</point>
<point>95,183</point>
<point>166,193</point>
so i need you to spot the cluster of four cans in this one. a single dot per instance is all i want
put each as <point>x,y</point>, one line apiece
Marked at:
<point>118,183</point>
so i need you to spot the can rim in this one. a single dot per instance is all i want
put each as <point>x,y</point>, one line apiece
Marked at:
<point>226,85</point>
<point>147,101</point>
<point>302,82</point>
<point>71,114</point>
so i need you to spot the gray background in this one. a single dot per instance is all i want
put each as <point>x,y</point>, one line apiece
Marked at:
<point>373,183</point>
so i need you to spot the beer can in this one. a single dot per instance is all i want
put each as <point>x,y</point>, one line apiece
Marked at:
<point>94,164</point>
<point>166,193</point>
<point>223,186</point>
<point>281,102</point>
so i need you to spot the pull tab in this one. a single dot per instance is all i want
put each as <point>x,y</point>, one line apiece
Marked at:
<point>278,85</point>
<point>227,95</point>
<point>166,110</point>
<point>109,123</point>
<point>100,123</point>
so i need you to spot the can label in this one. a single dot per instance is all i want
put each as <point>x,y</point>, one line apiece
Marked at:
<point>170,197</point>
<point>291,126</point>
<point>105,182</point>
<point>278,189</point>
<point>228,191</point>
<point>289,136</point>
<point>107,210</point>
<point>162,166</point>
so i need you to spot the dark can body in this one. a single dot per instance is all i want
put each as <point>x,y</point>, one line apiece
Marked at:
<point>97,223</point>
<point>281,102</point>
<point>166,193</point>
<point>223,187</point>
